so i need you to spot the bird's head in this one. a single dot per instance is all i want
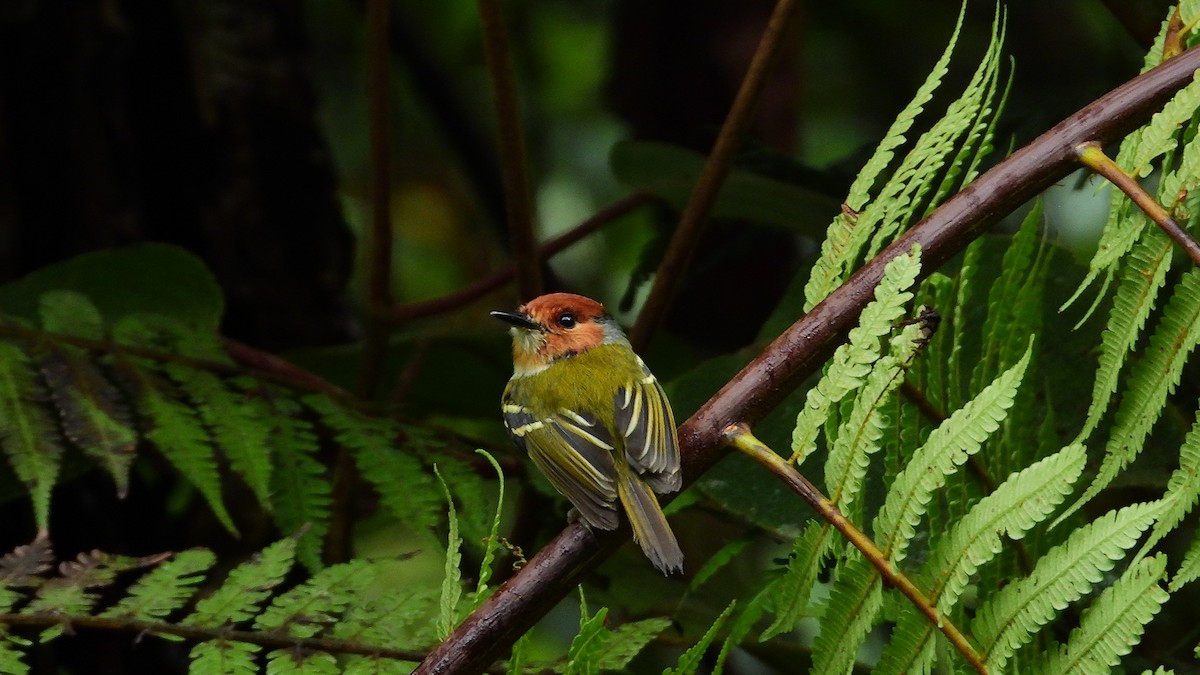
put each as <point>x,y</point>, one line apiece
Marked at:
<point>557,326</point>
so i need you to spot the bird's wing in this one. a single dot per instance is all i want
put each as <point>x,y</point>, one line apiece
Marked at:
<point>575,453</point>
<point>643,416</point>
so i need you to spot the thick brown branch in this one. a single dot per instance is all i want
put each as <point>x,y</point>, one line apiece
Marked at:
<point>801,350</point>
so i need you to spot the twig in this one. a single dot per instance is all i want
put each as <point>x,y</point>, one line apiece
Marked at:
<point>513,159</point>
<point>1091,156</point>
<point>424,308</point>
<point>802,348</point>
<point>740,437</point>
<point>683,244</point>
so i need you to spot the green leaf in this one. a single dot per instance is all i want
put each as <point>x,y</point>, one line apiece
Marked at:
<point>1114,622</point>
<point>791,591</point>
<point>493,543</point>
<point>246,587</point>
<point>1014,614</point>
<point>852,361</point>
<point>689,662</point>
<point>853,605</point>
<point>289,661</point>
<point>157,278</point>
<point>224,658</point>
<point>586,650</point>
<point>27,433</point>
<point>311,607</point>
<point>300,489</point>
<point>452,581</point>
<point>628,640</point>
<point>164,589</point>
<point>1183,489</point>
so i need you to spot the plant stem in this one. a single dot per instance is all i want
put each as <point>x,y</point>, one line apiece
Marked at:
<point>692,221</point>
<point>460,298</point>
<point>740,437</point>
<point>1091,156</point>
<point>513,158</point>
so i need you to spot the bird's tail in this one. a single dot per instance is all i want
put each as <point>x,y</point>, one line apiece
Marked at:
<point>650,528</point>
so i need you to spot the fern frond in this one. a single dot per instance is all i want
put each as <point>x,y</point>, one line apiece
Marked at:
<point>853,606</point>
<point>70,313</point>
<point>10,659</point>
<point>837,251</point>
<point>27,433</point>
<point>791,591</point>
<point>246,587</point>
<point>165,589</point>
<point>1142,276</point>
<point>402,483</point>
<point>452,580</point>
<point>492,544</point>
<point>628,640</point>
<point>689,661</point>
<point>311,607</point>
<point>1114,622</point>
<point>1018,504</point>
<point>1012,616</point>
<point>1161,134</point>
<point>297,662</point>
<point>944,451</point>
<point>1183,489</point>
<point>224,658</point>
<point>74,591</point>
<point>397,616</point>
<point>852,361</point>
<point>300,490</point>
<point>236,428</point>
<point>1189,569</point>
<point>1152,379</point>
<point>586,648</point>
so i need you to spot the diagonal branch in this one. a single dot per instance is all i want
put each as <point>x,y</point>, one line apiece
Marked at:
<point>695,214</point>
<point>740,437</point>
<point>800,351</point>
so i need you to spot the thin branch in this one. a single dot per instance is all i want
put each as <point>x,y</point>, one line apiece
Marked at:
<point>740,437</point>
<point>460,298</point>
<point>808,343</point>
<point>269,640</point>
<point>1091,156</point>
<point>513,158</point>
<point>692,221</point>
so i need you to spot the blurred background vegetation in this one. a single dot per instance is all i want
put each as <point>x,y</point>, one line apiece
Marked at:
<point>238,129</point>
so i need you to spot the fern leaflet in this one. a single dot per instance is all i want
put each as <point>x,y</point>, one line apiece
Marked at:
<point>246,587</point>
<point>165,589</point>
<point>27,434</point>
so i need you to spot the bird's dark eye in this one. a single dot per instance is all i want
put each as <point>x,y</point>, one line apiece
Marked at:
<point>566,320</point>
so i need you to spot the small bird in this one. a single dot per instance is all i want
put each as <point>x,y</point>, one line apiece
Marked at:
<point>593,418</point>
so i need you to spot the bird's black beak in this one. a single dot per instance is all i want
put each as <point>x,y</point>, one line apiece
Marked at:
<point>517,319</point>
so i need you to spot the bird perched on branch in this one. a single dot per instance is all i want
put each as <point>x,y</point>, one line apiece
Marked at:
<point>593,418</point>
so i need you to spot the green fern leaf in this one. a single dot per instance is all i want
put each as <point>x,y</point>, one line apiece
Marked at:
<point>1189,569</point>
<point>296,662</point>
<point>300,490</point>
<point>837,250</point>
<point>1152,379</point>
<point>452,581</point>
<point>853,606</point>
<point>1161,134</point>
<point>369,665</point>
<point>1013,615</point>
<point>587,648</point>
<point>177,433</point>
<point>792,590</point>
<point>402,483</point>
<point>717,561</point>
<point>689,661</point>
<point>860,434</point>
<point>70,313</point>
<point>628,640</point>
<point>944,451</point>
<point>74,592</point>
<point>1018,504</point>
<point>246,587</point>
<point>493,543</point>
<point>93,413</point>
<point>10,659</point>
<point>1114,622</point>
<point>1183,489</point>
<point>852,361</point>
<point>164,589</point>
<point>398,617</point>
<point>28,436</point>
<point>219,657</point>
<point>237,429</point>
<point>1142,277</point>
<point>309,608</point>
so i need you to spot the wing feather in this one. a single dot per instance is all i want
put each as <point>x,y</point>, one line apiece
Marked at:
<point>643,416</point>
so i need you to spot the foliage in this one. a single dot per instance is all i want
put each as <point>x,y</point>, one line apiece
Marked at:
<point>949,428</point>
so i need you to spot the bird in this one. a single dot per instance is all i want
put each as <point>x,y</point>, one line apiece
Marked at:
<point>593,418</point>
